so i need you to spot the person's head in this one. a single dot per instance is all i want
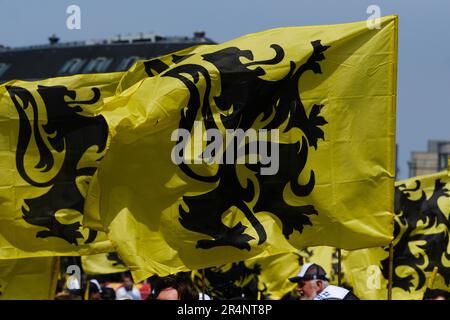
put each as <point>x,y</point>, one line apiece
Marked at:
<point>73,289</point>
<point>65,295</point>
<point>95,290</point>
<point>174,287</point>
<point>168,294</point>
<point>127,282</point>
<point>108,293</point>
<point>436,294</point>
<point>70,294</point>
<point>309,289</point>
<point>311,280</point>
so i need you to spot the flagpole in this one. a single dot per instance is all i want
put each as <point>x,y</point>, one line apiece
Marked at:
<point>391,269</point>
<point>432,278</point>
<point>56,274</point>
<point>86,291</point>
<point>203,284</point>
<point>339,267</point>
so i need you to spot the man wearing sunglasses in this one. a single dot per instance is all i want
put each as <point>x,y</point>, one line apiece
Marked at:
<point>312,284</point>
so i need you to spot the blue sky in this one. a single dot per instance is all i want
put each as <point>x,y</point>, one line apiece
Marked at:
<point>423,110</point>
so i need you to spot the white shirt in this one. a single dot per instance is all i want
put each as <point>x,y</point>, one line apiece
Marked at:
<point>332,292</point>
<point>121,293</point>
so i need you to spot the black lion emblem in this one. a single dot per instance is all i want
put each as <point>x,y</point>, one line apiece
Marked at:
<point>422,222</point>
<point>115,259</point>
<point>66,130</point>
<point>231,281</point>
<point>245,97</point>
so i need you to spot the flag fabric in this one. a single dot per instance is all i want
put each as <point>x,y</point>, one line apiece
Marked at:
<point>365,275</point>
<point>421,244</point>
<point>29,279</point>
<point>229,281</point>
<point>254,279</point>
<point>103,263</point>
<point>275,271</point>
<point>318,106</point>
<point>126,86</point>
<point>51,140</point>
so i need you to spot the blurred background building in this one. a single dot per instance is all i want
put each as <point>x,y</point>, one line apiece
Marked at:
<point>430,161</point>
<point>118,53</point>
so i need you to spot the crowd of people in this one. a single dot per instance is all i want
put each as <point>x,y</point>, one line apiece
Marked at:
<point>312,284</point>
<point>174,287</point>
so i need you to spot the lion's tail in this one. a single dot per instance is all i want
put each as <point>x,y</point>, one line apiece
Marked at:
<point>25,132</point>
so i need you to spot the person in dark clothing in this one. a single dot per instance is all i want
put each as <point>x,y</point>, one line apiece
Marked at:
<point>95,290</point>
<point>313,284</point>
<point>108,293</point>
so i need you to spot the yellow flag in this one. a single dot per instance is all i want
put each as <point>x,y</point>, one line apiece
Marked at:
<point>253,147</point>
<point>275,270</point>
<point>51,140</point>
<point>29,279</point>
<point>125,87</point>
<point>365,275</point>
<point>103,263</point>
<point>421,244</point>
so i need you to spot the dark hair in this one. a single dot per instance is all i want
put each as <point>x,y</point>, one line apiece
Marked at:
<point>108,293</point>
<point>93,288</point>
<point>127,274</point>
<point>434,293</point>
<point>181,283</point>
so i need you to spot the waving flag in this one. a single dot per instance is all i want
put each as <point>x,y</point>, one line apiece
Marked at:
<point>253,147</point>
<point>421,244</point>
<point>51,140</point>
<point>103,263</point>
<point>29,279</point>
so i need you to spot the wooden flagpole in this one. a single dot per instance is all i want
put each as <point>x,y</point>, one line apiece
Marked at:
<point>391,269</point>
<point>339,267</point>
<point>203,284</point>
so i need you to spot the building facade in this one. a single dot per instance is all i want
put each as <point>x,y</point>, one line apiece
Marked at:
<point>57,59</point>
<point>433,160</point>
